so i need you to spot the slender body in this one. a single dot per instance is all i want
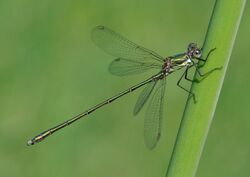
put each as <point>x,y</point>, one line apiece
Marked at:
<point>50,131</point>
<point>133,59</point>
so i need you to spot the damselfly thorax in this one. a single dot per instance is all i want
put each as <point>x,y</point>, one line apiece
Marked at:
<point>174,63</point>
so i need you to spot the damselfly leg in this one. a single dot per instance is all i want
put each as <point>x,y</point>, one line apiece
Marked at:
<point>205,60</point>
<point>184,75</point>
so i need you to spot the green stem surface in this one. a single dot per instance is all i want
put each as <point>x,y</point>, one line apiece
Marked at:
<point>197,117</point>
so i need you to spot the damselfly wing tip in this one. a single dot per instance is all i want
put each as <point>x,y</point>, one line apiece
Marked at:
<point>101,27</point>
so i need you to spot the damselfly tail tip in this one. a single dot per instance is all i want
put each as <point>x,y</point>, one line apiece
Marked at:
<point>30,142</point>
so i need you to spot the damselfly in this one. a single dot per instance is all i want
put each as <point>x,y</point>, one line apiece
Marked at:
<point>134,59</point>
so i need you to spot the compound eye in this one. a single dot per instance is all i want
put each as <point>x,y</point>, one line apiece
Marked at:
<point>191,46</point>
<point>197,53</point>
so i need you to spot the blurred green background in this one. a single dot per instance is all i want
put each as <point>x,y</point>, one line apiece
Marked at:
<point>50,70</point>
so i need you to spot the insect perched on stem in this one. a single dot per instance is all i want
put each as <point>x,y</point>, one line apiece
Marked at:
<point>133,59</point>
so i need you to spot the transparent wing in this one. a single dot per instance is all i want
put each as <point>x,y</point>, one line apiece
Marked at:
<point>144,97</point>
<point>118,46</point>
<point>123,67</point>
<point>153,118</point>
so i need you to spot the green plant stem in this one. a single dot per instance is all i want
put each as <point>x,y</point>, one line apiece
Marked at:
<point>197,117</point>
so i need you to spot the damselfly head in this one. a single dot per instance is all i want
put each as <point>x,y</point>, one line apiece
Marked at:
<point>194,51</point>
